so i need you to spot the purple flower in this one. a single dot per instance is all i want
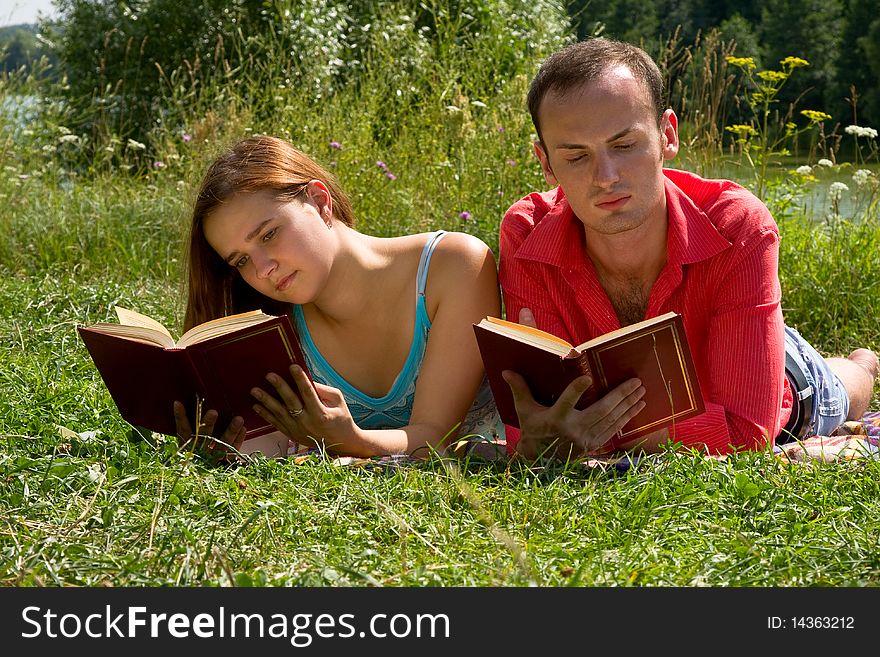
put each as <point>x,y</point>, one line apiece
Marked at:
<point>390,175</point>
<point>501,128</point>
<point>465,216</point>
<point>511,163</point>
<point>336,145</point>
<point>186,136</point>
<point>382,165</point>
<point>158,165</point>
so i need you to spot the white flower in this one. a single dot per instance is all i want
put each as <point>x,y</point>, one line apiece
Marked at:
<point>136,144</point>
<point>825,163</point>
<point>862,176</point>
<point>836,190</point>
<point>860,131</point>
<point>68,139</point>
<point>804,170</point>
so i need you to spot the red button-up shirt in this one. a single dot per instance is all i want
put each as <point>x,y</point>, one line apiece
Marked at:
<point>720,276</point>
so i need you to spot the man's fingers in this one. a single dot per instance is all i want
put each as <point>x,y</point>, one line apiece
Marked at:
<point>573,392</point>
<point>526,318</point>
<point>522,396</point>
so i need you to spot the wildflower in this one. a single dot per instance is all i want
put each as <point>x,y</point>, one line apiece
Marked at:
<point>390,175</point>
<point>860,131</point>
<point>382,165</point>
<point>465,216</point>
<point>815,115</point>
<point>862,176</point>
<point>794,62</point>
<point>511,163</point>
<point>836,190</point>
<point>158,164</point>
<point>804,170</point>
<point>824,162</point>
<point>478,103</point>
<point>336,145</point>
<point>501,129</point>
<point>186,136</point>
<point>744,131</point>
<point>744,63</point>
<point>68,139</point>
<point>772,76</point>
<point>131,143</point>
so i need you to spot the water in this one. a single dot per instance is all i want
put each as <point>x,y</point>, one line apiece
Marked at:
<point>812,195</point>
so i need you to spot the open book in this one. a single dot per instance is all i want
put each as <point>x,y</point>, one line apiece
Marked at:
<point>212,366</point>
<point>655,351</point>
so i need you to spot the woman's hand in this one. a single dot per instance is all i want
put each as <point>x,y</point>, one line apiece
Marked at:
<point>322,419</point>
<point>227,445</point>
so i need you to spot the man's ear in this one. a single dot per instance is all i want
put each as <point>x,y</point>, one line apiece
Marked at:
<point>319,196</point>
<point>668,135</point>
<point>547,170</point>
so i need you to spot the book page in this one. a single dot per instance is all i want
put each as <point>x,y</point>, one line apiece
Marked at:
<point>221,326</point>
<point>131,318</point>
<point>145,334</point>
<point>626,330</point>
<point>528,334</point>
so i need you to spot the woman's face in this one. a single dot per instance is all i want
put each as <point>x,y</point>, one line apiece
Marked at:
<point>283,249</point>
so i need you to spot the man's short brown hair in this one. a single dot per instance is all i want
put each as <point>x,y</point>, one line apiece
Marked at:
<point>585,61</point>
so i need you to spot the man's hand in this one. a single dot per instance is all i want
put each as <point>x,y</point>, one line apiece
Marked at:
<point>562,429</point>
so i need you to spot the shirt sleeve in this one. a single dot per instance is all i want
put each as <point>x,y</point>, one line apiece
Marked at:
<point>745,348</point>
<point>521,288</point>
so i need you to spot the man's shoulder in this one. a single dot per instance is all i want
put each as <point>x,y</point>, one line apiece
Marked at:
<point>528,212</point>
<point>729,206</point>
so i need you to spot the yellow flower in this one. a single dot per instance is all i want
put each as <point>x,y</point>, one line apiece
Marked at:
<point>742,62</point>
<point>772,76</point>
<point>794,62</point>
<point>815,115</point>
<point>742,130</point>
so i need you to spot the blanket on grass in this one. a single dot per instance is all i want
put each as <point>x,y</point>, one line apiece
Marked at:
<point>852,440</point>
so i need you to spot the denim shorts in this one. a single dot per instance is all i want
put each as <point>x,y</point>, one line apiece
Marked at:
<point>830,401</point>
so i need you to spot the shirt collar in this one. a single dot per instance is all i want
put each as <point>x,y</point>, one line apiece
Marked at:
<point>557,239</point>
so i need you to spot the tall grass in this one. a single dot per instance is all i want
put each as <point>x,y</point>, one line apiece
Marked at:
<point>84,501</point>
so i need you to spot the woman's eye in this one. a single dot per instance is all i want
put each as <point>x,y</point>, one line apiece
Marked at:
<point>241,262</point>
<point>269,234</point>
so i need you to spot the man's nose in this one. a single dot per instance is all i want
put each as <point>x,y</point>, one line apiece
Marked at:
<point>605,170</point>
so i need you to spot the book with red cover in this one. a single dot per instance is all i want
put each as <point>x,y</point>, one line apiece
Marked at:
<point>655,351</point>
<point>216,363</point>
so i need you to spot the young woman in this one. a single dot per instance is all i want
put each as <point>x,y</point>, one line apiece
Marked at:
<point>386,323</point>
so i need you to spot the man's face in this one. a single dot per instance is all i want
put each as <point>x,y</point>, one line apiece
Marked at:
<point>603,146</point>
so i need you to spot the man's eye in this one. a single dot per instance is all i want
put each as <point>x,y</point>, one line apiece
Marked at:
<point>577,158</point>
<point>624,147</point>
<point>269,234</point>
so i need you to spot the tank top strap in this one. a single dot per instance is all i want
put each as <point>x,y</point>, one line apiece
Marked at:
<point>425,261</point>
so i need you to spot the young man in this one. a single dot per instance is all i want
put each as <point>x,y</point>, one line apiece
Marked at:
<point>621,239</point>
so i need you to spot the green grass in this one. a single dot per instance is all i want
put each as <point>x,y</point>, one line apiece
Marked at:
<point>83,501</point>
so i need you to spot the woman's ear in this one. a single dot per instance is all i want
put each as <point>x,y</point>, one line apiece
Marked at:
<point>319,196</point>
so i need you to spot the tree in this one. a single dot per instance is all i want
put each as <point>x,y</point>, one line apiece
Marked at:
<point>858,66</point>
<point>809,29</point>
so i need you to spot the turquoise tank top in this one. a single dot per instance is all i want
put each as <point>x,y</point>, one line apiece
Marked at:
<point>393,410</point>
